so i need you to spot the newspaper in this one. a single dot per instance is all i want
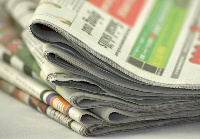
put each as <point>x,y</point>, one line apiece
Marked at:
<point>75,55</point>
<point>84,130</point>
<point>123,111</point>
<point>122,52</point>
<point>22,51</point>
<point>54,74</point>
<point>114,86</point>
<point>18,64</point>
<point>82,56</point>
<point>137,95</point>
<point>10,38</point>
<point>41,107</point>
<point>34,46</point>
<point>46,95</point>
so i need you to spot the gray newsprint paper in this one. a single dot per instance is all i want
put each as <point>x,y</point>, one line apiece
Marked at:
<point>130,70</point>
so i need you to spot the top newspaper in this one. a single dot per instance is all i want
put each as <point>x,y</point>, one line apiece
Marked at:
<point>154,41</point>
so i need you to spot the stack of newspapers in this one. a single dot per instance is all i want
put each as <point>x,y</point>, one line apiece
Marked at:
<point>103,66</point>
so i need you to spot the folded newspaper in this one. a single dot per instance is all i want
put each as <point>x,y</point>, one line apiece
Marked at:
<point>131,63</point>
<point>56,115</point>
<point>123,45</point>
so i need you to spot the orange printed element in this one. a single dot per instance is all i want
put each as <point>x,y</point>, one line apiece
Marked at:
<point>125,10</point>
<point>9,37</point>
<point>21,95</point>
<point>13,47</point>
<point>59,104</point>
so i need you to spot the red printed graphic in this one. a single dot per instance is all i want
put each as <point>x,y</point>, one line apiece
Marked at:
<point>125,10</point>
<point>9,37</point>
<point>196,56</point>
<point>195,28</point>
<point>20,95</point>
<point>13,47</point>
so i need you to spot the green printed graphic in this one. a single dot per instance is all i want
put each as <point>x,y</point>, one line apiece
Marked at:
<point>24,54</point>
<point>155,43</point>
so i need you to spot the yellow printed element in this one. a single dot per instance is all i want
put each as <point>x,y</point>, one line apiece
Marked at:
<point>58,89</point>
<point>158,58</point>
<point>64,20</point>
<point>43,76</point>
<point>50,3</point>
